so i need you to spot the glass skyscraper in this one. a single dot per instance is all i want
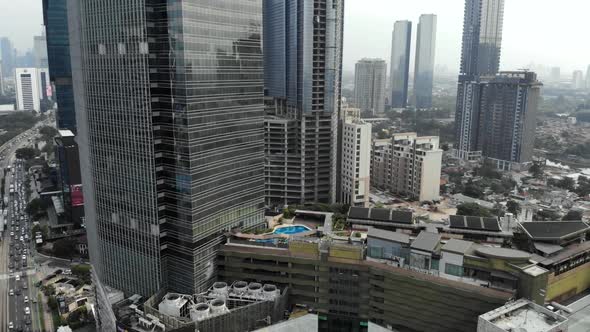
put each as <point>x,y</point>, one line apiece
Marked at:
<point>400,63</point>
<point>424,64</point>
<point>55,18</point>
<point>482,37</point>
<point>169,99</point>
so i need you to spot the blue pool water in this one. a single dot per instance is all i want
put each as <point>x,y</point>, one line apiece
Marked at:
<point>290,230</point>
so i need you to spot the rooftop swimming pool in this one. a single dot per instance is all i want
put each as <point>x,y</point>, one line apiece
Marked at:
<point>290,230</point>
<point>286,230</point>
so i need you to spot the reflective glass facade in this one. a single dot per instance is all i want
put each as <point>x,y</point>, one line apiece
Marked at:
<point>172,111</point>
<point>400,63</point>
<point>482,37</point>
<point>424,64</point>
<point>55,17</point>
<point>303,61</point>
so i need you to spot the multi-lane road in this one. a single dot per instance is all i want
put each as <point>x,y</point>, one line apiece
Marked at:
<point>18,307</point>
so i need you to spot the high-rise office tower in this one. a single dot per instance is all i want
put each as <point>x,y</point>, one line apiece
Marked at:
<point>169,110</point>
<point>555,74</point>
<point>588,78</point>
<point>424,64</point>
<point>302,71</point>
<point>480,55</point>
<point>55,17</point>
<point>40,51</point>
<point>504,110</point>
<point>7,54</point>
<point>1,79</point>
<point>369,85</point>
<point>578,80</point>
<point>400,63</point>
<point>27,89</point>
<point>482,37</point>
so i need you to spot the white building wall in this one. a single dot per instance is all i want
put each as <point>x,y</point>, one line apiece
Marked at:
<point>430,176</point>
<point>27,89</point>
<point>356,163</point>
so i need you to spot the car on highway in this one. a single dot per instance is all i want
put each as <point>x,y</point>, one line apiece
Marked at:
<point>10,325</point>
<point>11,292</point>
<point>27,311</point>
<point>26,299</point>
<point>17,277</point>
<point>11,233</point>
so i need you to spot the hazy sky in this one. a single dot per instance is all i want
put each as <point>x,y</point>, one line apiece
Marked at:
<point>553,33</point>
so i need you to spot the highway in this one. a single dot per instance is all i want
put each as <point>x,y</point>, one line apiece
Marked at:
<point>17,274</point>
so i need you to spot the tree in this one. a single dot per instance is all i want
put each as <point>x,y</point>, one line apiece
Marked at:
<point>536,171</point>
<point>513,207</point>
<point>583,188</point>
<point>52,302</point>
<point>26,153</point>
<point>473,190</point>
<point>546,215</point>
<point>567,183</point>
<point>47,133</point>
<point>473,209</point>
<point>64,248</point>
<point>572,215</point>
<point>37,208</point>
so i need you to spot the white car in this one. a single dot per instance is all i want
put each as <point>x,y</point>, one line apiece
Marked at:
<point>27,311</point>
<point>24,256</point>
<point>11,233</point>
<point>11,292</point>
<point>17,277</point>
<point>10,325</point>
<point>26,299</point>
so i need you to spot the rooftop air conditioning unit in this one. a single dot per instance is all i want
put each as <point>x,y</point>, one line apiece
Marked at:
<point>218,307</point>
<point>200,311</point>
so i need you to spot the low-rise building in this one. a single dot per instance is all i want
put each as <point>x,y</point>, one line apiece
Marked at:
<point>407,165</point>
<point>521,316</point>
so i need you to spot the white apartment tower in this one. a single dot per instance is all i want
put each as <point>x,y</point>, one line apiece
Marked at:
<point>356,161</point>
<point>27,89</point>
<point>408,165</point>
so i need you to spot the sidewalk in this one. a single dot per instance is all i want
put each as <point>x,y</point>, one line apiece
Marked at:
<point>48,318</point>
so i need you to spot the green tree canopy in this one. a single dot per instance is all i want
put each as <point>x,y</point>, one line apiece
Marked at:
<point>473,209</point>
<point>573,215</point>
<point>26,153</point>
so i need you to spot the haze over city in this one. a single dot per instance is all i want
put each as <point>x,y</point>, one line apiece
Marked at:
<point>535,31</point>
<point>294,165</point>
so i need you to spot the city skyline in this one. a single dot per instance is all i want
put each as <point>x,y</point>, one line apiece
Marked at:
<point>519,47</point>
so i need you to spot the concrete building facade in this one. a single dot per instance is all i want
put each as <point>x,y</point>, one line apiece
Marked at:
<point>27,88</point>
<point>578,80</point>
<point>302,78</point>
<point>407,165</point>
<point>356,162</point>
<point>480,55</point>
<point>499,118</point>
<point>369,85</point>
